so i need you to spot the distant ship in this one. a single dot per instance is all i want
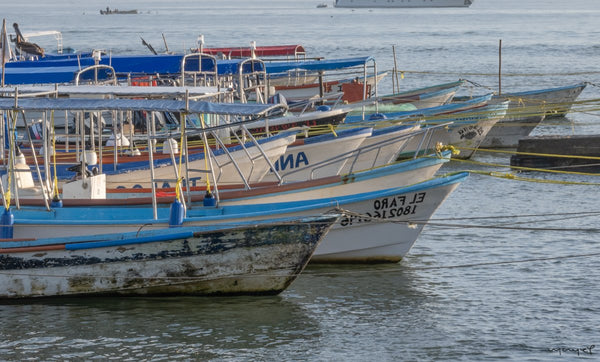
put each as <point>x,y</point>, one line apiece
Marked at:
<point>403,3</point>
<point>110,11</point>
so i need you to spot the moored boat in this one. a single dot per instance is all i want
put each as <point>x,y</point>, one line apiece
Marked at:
<point>252,258</point>
<point>552,102</point>
<point>527,110</point>
<point>467,131</point>
<point>368,212</point>
<point>467,124</point>
<point>248,205</point>
<point>295,163</point>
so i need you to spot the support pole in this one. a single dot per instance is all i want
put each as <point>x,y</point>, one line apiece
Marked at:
<point>500,68</point>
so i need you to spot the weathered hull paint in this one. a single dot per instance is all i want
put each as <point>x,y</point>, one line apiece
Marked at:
<point>259,259</point>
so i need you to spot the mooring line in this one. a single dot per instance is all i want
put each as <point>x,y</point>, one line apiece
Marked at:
<point>414,223</point>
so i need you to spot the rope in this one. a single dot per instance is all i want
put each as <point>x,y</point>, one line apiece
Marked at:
<point>456,266</point>
<point>180,178</point>
<point>205,148</point>
<point>522,168</point>
<point>332,129</point>
<point>414,223</point>
<point>55,178</point>
<point>496,74</point>
<point>11,161</point>
<point>439,148</point>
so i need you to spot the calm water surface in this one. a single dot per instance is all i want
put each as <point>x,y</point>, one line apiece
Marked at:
<point>463,293</point>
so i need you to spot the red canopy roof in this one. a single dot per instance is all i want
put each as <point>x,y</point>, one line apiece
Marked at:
<point>264,51</point>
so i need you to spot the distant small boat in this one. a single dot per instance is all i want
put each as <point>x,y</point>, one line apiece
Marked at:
<point>110,11</point>
<point>322,5</point>
<point>403,3</point>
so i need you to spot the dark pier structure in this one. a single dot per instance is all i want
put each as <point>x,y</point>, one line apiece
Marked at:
<point>552,152</point>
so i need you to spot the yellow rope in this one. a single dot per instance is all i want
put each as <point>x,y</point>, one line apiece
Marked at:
<point>180,178</point>
<point>512,176</point>
<point>206,150</point>
<point>556,155</point>
<point>332,129</point>
<point>55,179</point>
<point>439,148</point>
<point>11,147</point>
<point>503,74</point>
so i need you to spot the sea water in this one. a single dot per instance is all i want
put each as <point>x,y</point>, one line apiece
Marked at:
<point>508,269</point>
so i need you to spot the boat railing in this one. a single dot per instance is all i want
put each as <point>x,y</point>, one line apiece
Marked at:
<point>252,77</point>
<point>351,157</point>
<point>46,178</point>
<point>212,163</point>
<point>205,72</point>
<point>97,70</point>
<point>55,33</point>
<point>331,101</point>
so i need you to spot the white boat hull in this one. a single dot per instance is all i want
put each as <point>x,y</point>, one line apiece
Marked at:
<point>384,236</point>
<point>378,150</point>
<point>351,187</point>
<point>295,164</point>
<point>507,132</point>
<point>251,163</point>
<point>376,228</point>
<point>552,102</point>
<point>465,135</point>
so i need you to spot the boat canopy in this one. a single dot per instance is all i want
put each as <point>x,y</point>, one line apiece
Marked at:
<point>158,105</point>
<point>317,65</point>
<point>40,75</point>
<point>114,90</point>
<point>64,70</point>
<point>261,51</point>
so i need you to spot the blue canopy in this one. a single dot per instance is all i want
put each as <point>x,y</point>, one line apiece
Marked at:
<point>54,70</point>
<point>137,64</point>
<point>316,65</point>
<point>40,75</point>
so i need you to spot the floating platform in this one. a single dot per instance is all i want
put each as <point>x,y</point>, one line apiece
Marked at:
<point>552,152</point>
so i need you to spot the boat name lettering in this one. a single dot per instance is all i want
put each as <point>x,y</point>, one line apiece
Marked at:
<point>386,208</point>
<point>291,161</point>
<point>471,131</point>
<point>392,202</point>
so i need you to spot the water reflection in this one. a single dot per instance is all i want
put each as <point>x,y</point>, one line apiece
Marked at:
<point>160,327</point>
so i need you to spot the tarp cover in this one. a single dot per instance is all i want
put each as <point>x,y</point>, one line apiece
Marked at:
<point>74,104</point>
